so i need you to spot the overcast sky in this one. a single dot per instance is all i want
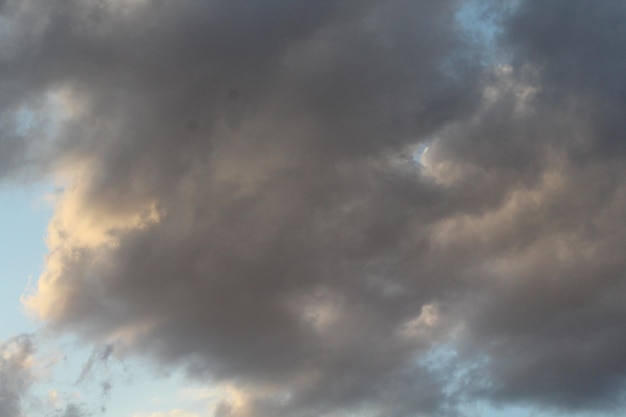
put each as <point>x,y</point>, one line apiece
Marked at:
<point>312,208</point>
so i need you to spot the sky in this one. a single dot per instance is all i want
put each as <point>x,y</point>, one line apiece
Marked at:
<point>295,208</point>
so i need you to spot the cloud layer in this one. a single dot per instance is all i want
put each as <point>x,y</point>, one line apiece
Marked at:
<point>335,206</point>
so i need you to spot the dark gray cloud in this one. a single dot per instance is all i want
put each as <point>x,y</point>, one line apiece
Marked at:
<point>577,47</point>
<point>266,209</point>
<point>549,323</point>
<point>544,239</point>
<point>240,196</point>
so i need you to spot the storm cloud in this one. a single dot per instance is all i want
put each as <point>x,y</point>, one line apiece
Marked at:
<point>332,207</point>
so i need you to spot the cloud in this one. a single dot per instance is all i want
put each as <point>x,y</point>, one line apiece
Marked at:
<point>239,209</point>
<point>550,250</point>
<point>239,197</point>
<point>23,373</point>
<point>73,410</point>
<point>99,357</point>
<point>16,376</point>
<point>173,413</point>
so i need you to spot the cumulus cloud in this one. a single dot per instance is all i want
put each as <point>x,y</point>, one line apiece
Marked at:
<point>239,196</point>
